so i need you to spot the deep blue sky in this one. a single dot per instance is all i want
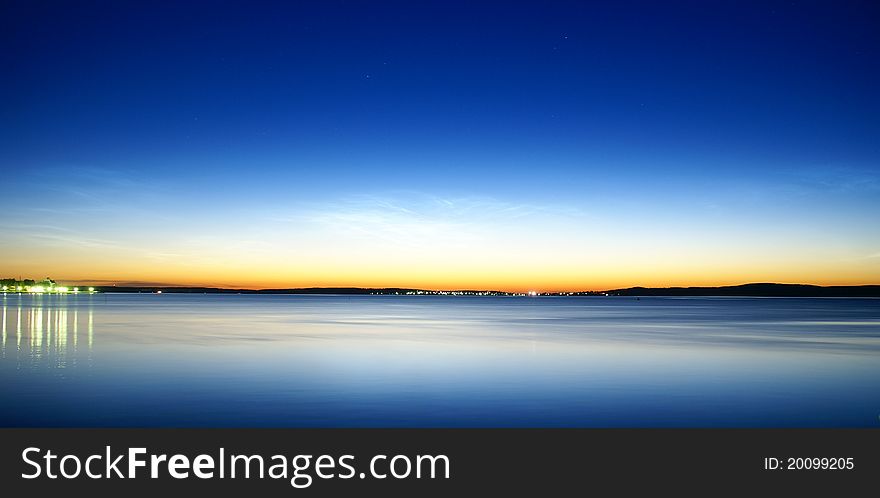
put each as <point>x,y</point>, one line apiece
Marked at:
<point>662,108</point>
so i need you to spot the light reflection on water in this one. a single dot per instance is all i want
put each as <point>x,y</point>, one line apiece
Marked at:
<point>50,327</point>
<point>256,360</point>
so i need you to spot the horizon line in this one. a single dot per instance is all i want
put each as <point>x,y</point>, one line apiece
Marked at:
<point>538,290</point>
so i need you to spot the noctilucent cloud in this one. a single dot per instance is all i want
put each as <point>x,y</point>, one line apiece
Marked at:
<point>556,146</point>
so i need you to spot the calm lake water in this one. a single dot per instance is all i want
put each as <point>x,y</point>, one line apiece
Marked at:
<point>369,361</point>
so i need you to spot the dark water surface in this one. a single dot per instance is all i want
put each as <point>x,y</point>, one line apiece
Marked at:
<point>180,360</point>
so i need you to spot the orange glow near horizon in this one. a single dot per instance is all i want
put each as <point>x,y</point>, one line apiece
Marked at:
<point>515,280</point>
<point>438,244</point>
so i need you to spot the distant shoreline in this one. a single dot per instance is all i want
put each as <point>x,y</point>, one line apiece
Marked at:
<point>745,290</point>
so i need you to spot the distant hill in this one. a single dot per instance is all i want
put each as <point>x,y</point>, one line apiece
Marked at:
<point>756,290</point>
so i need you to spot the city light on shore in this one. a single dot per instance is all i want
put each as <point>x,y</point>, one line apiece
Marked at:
<point>47,286</point>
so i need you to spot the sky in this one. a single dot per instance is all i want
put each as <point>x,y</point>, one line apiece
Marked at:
<point>547,146</point>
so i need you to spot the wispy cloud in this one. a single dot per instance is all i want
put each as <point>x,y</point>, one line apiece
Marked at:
<point>90,175</point>
<point>415,219</point>
<point>88,189</point>
<point>837,179</point>
<point>54,235</point>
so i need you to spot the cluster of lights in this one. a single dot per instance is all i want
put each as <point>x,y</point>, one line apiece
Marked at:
<point>462,293</point>
<point>40,289</point>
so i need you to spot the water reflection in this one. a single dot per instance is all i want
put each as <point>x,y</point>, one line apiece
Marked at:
<point>46,330</point>
<point>227,360</point>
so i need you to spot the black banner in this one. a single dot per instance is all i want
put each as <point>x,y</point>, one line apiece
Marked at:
<point>463,462</point>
